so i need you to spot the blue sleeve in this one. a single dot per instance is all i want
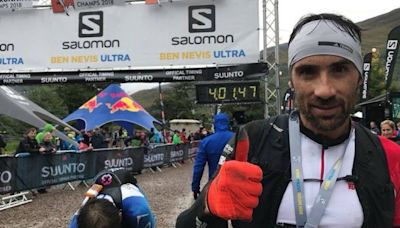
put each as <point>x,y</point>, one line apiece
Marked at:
<point>198,168</point>
<point>74,222</point>
<point>136,212</point>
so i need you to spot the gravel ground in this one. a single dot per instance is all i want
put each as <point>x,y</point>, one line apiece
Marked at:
<point>169,194</point>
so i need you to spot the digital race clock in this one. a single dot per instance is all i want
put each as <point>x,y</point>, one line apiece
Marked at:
<point>230,92</point>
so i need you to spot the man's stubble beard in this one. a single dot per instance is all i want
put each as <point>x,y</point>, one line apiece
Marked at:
<point>327,124</point>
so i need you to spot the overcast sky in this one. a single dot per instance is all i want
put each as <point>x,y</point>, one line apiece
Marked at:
<point>290,11</point>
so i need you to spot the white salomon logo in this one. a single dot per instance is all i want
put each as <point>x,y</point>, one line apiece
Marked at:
<point>91,24</point>
<point>367,66</point>
<point>392,44</point>
<point>202,18</point>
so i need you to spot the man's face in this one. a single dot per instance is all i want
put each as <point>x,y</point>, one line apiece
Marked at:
<point>326,88</point>
<point>372,124</point>
<point>32,134</point>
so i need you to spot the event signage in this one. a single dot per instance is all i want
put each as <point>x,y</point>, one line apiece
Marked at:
<point>229,92</point>
<point>237,72</point>
<point>35,171</point>
<point>6,175</point>
<point>127,159</point>
<point>132,36</point>
<point>88,4</point>
<point>392,48</point>
<point>154,157</point>
<point>365,79</point>
<point>192,151</point>
<point>15,4</point>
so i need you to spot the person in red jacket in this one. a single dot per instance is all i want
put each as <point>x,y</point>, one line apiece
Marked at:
<point>314,167</point>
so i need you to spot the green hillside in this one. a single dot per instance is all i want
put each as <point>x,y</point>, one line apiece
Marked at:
<point>147,97</point>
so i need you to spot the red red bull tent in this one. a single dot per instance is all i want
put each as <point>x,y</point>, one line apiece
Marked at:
<point>111,105</point>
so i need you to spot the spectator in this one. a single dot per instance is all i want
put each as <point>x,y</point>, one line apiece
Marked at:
<point>69,146</point>
<point>191,137</point>
<point>168,136</point>
<point>97,139</point>
<point>176,138</point>
<point>210,150</point>
<point>136,140</point>
<point>388,129</point>
<point>182,136</point>
<point>374,128</point>
<point>144,141</point>
<point>204,133</point>
<point>29,144</point>
<point>288,99</point>
<point>85,143</point>
<point>47,128</point>
<point>107,136</point>
<point>47,147</point>
<point>119,203</point>
<point>197,134</point>
<point>151,135</point>
<point>47,144</point>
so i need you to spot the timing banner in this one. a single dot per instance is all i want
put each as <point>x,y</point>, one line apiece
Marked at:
<point>133,36</point>
<point>237,72</point>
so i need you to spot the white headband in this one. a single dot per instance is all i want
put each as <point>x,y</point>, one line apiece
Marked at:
<point>323,37</point>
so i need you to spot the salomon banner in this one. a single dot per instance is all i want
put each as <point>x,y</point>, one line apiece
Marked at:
<point>132,36</point>
<point>392,47</point>
<point>131,159</point>
<point>366,74</point>
<point>7,175</point>
<point>237,72</point>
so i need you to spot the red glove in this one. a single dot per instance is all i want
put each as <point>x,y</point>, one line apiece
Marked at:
<point>234,192</point>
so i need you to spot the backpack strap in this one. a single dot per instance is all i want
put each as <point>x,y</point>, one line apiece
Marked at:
<point>111,180</point>
<point>280,122</point>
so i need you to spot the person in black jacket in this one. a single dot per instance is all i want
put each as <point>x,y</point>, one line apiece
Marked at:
<point>29,144</point>
<point>314,168</point>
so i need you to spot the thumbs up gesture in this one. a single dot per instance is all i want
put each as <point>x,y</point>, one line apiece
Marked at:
<point>234,192</point>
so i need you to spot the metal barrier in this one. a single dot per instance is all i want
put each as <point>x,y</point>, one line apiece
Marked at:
<point>14,200</point>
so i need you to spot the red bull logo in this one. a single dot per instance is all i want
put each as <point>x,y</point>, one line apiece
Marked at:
<point>91,104</point>
<point>125,104</point>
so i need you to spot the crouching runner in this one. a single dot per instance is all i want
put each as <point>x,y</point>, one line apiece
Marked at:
<point>115,200</point>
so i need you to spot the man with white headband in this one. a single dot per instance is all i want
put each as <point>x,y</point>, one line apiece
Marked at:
<point>314,167</point>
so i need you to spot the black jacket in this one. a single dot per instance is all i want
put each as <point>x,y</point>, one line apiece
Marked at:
<point>269,149</point>
<point>28,145</point>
